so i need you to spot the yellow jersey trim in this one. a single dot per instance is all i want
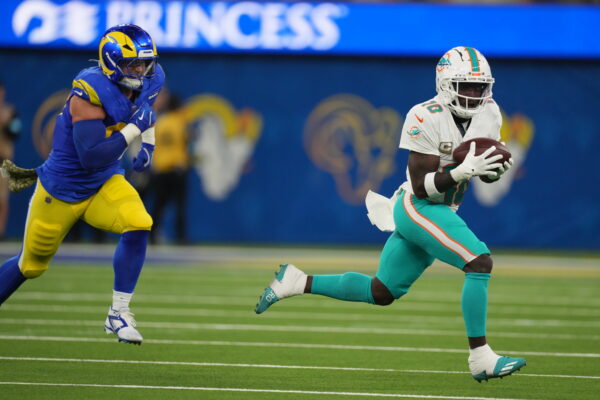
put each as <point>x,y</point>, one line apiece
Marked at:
<point>89,90</point>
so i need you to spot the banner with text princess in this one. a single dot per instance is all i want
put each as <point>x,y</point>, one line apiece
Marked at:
<point>540,31</point>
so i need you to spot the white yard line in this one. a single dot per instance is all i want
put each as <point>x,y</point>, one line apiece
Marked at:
<point>238,365</point>
<point>212,389</point>
<point>541,301</point>
<point>308,315</point>
<point>220,326</point>
<point>202,312</point>
<point>291,345</point>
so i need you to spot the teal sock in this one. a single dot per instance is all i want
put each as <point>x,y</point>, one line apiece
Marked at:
<point>350,286</point>
<point>474,303</point>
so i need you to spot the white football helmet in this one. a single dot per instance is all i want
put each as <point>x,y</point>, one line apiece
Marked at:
<point>463,81</point>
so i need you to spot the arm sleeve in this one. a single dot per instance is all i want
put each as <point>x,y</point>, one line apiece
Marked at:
<point>94,150</point>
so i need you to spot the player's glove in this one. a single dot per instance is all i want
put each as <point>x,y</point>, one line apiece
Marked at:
<point>140,121</point>
<point>477,165</point>
<point>18,178</point>
<point>144,117</point>
<point>144,158</point>
<point>501,170</point>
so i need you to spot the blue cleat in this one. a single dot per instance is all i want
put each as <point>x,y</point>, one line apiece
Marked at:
<point>289,281</point>
<point>504,367</point>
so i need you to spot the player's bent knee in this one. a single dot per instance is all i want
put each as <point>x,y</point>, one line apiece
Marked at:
<point>32,270</point>
<point>136,219</point>
<point>43,238</point>
<point>142,222</point>
<point>482,264</point>
<point>41,242</point>
<point>381,294</point>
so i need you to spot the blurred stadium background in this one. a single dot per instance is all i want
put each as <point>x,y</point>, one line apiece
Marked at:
<point>293,111</point>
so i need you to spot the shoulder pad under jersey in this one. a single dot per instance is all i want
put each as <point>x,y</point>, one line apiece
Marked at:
<point>92,85</point>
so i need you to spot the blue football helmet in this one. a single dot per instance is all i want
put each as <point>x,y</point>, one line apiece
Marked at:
<point>127,55</point>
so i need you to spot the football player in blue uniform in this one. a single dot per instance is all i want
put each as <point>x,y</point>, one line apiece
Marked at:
<point>108,107</point>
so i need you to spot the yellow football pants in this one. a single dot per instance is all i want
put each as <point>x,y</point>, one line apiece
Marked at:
<point>116,208</point>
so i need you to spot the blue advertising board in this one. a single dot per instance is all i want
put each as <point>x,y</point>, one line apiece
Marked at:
<point>301,139</point>
<point>405,29</point>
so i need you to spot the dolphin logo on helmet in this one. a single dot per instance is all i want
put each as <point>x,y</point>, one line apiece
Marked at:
<point>463,81</point>
<point>127,55</point>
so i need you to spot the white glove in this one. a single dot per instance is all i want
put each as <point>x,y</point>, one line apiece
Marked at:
<point>502,169</point>
<point>477,165</point>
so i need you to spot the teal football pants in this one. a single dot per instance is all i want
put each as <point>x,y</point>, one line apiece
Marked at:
<point>424,232</point>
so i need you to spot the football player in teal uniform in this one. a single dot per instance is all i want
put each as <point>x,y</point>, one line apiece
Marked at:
<point>108,107</point>
<point>422,214</point>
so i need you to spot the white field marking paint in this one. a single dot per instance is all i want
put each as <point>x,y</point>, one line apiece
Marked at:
<point>225,327</point>
<point>209,364</point>
<point>209,389</point>
<point>420,296</point>
<point>400,311</point>
<point>291,315</point>
<point>290,345</point>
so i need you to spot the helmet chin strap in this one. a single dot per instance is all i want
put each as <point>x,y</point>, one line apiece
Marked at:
<point>131,83</point>
<point>460,113</point>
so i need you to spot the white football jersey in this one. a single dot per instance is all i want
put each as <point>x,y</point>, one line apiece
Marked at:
<point>430,129</point>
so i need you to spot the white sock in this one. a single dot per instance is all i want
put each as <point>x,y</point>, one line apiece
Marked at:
<point>481,351</point>
<point>121,300</point>
<point>482,358</point>
<point>300,284</point>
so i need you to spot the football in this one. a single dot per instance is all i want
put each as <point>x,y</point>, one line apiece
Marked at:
<point>481,145</point>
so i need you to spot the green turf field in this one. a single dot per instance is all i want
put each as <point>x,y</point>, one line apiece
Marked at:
<point>203,340</point>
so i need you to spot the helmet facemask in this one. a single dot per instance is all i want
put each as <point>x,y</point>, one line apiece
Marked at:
<point>134,70</point>
<point>466,97</point>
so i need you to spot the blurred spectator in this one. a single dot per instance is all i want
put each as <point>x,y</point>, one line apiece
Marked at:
<point>10,128</point>
<point>170,165</point>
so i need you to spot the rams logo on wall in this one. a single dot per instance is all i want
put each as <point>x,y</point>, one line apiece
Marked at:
<point>517,132</point>
<point>224,140</point>
<point>354,142</point>
<point>44,120</point>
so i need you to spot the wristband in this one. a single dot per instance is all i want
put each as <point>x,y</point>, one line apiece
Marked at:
<point>148,136</point>
<point>430,184</point>
<point>130,132</point>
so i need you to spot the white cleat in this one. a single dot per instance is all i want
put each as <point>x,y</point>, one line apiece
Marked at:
<point>122,324</point>
<point>289,281</point>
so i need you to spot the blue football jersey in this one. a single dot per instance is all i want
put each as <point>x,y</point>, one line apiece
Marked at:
<point>62,175</point>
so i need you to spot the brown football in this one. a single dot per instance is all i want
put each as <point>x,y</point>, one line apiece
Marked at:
<point>481,145</point>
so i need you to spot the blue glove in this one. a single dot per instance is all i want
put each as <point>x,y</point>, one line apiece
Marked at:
<point>144,117</point>
<point>144,158</point>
